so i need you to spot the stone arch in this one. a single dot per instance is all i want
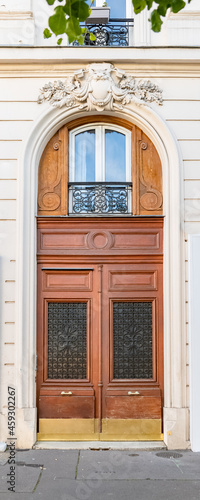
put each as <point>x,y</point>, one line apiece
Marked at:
<point>174,354</point>
<point>144,164</point>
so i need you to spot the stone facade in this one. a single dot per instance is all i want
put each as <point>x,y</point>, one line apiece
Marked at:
<point>26,127</point>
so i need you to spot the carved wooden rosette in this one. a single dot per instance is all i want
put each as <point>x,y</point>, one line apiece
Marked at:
<point>146,171</point>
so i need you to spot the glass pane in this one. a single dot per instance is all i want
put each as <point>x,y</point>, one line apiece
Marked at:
<point>67,340</point>
<point>117,8</point>
<point>132,332</point>
<point>85,156</point>
<point>115,156</point>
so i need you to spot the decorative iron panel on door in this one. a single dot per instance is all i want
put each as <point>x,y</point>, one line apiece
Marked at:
<point>67,340</point>
<point>132,337</point>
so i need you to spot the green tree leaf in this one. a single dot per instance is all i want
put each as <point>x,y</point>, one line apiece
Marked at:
<point>177,5</point>
<point>50,2</point>
<point>77,8</point>
<point>47,33</point>
<point>149,4</point>
<point>156,21</point>
<point>80,39</point>
<point>57,22</point>
<point>83,10</point>
<point>162,8</point>
<point>59,41</point>
<point>67,8</point>
<point>139,5</point>
<point>73,30</point>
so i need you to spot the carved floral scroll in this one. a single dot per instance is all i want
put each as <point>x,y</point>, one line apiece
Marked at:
<point>99,87</point>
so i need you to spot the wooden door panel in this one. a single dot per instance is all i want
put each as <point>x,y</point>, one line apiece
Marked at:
<point>144,240</point>
<point>133,278</point>
<point>132,306</point>
<point>102,266</point>
<point>66,280</point>
<point>67,406</point>
<point>130,407</point>
<point>60,240</point>
<point>103,237</point>
<point>66,378</point>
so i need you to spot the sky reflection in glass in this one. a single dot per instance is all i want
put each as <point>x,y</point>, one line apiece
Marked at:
<point>115,156</point>
<point>85,156</point>
<point>89,3</point>
<point>117,8</point>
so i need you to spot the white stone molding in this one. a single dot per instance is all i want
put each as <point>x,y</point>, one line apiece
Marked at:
<point>17,27</point>
<point>16,5</point>
<point>194,337</point>
<point>14,16</point>
<point>99,87</point>
<point>142,29</point>
<point>175,412</point>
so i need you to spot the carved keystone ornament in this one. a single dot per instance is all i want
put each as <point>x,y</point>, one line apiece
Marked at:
<point>100,86</point>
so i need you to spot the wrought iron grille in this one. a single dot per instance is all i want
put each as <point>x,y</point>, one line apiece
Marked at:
<point>115,33</point>
<point>67,340</point>
<point>132,332</point>
<point>99,198</point>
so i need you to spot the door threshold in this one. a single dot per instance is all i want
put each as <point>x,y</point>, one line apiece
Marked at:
<point>99,445</point>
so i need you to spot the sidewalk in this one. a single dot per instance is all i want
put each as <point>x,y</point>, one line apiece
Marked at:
<point>102,475</point>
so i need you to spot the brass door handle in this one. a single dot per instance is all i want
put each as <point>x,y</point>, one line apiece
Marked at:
<point>136,393</point>
<point>63,393</point>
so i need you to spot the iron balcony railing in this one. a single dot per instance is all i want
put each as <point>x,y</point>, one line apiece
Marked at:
<point>97,198</point>
<point>116,33</point>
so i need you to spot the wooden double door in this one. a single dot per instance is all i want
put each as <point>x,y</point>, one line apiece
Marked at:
<point>100,329</point>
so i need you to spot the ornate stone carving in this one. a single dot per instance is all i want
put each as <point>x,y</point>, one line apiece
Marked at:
<point>100,86</point>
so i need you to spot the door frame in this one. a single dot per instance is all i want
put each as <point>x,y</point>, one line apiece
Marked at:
<point>174,271</point>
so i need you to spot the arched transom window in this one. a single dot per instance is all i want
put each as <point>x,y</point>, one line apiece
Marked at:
<point>99,170</point>
<point>94,167</point>
<point>99,153</point>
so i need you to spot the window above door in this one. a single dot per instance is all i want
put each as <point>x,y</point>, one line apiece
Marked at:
<point>100,166</point>
<point>99,153</point>
<point>99,170</point>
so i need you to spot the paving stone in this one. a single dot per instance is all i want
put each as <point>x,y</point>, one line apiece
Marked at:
<point>57,463</point>
<point>141,465</point>
<point>4,457</point>
<point>63,489</point>
<point>26,478</point>
<point>104,475</point>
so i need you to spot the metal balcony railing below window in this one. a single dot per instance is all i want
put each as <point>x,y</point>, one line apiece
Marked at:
<point>116,33</point>
<point>97,198</point>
